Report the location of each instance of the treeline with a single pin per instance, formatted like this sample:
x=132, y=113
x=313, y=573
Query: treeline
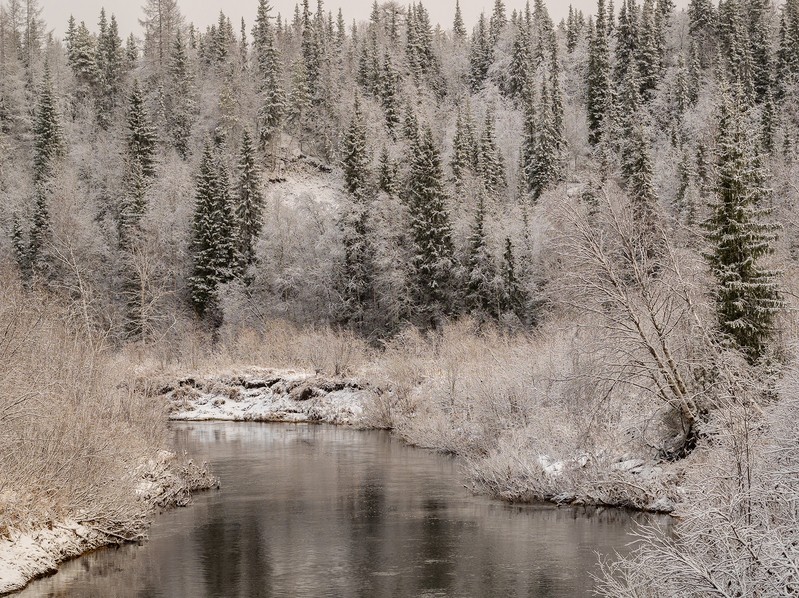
x=454, y=150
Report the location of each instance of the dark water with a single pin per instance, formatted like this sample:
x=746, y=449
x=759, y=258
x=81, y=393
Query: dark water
x=324, y=511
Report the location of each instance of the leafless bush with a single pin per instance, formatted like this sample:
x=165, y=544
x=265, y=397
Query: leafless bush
x=740, y=531
x=71, y=434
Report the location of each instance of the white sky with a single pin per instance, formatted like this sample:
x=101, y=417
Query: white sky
x=205, y=12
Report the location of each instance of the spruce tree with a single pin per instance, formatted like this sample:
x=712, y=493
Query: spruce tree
x=481, y=55
x=357, y=276
x=180, y=97
x=83, y=59
x=458, y=27
x=386, y=174
x=48, y=137
x=512, y=298
x=141, y=135
x=648, y=54
x=249, y=202
x=109, y=69
x=497, y=23
x=521, y=66
x=139, y=167
x=431, y=231
x=40, y=233
x=271, y=94
x=389, y=95
x=355, y=161
x=480, y=269
x=747, y=295
x=491, y=164
x=214, y=258
x=599, y=92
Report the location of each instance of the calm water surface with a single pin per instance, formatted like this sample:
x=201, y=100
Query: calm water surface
x=324, y=511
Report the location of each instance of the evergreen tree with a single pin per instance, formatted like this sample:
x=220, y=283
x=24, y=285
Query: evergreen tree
x=497, y=23
x=480, y=289
x=355, y=161
x=21, y=248
x=272, y=96
x=481, y=55
x=180, y=103
x=212, y=244
x=389, y=95
x=139, y=167
x=357, y=279
x=511, y=299
x=599, y=92
x=431, y=231
x=648, y=55
x=747, y=296
x=760, y=43
x=40, y=233
x=458, y=27
x=386, y=174
x=141, y=135
x=521, y=66
x=491, y=164
x=83, y=58
x=572, y=30
x=640, y=188
x=249, y=202
x=109, y=69
x=544, y=166
x=48, y=137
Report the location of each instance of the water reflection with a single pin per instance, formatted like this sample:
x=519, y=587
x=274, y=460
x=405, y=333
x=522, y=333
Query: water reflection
x=322, y=511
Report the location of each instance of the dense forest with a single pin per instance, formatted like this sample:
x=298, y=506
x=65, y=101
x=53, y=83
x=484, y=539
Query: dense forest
x=583, y=233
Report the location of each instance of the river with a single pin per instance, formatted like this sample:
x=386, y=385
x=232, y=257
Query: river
x=330, y=511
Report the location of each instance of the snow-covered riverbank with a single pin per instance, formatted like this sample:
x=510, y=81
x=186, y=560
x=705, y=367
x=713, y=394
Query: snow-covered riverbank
x=163, y=482
x=268, y=396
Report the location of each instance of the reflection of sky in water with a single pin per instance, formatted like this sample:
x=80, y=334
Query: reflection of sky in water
x=322, y=511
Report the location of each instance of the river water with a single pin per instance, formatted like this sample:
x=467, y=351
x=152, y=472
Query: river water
x=325, y=511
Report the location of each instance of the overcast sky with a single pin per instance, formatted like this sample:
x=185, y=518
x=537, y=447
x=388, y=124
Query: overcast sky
x=205, y=12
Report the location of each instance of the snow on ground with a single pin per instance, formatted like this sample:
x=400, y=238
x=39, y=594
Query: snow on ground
x=163, y=482
x=31, y=555
x=268, y=396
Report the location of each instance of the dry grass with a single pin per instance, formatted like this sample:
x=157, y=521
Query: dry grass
x=72, y=433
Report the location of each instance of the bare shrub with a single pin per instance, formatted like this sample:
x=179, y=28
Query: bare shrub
x=72, y=432
x=740, y=528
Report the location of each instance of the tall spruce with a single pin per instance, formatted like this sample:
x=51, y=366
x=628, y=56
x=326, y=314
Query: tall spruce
x=180, y=102
x=212, y=242
x=140, y=165
x=747, y=294
x=48, y=136
x=249, y=202
x=431, y=231
x=491, y=165
x=357, y=275
x=271, y=94
x=480, y=291
x=599, y=89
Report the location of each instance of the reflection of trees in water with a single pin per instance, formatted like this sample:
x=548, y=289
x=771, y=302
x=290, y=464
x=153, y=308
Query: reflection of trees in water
x=220, y=551
x=437, y=550
x=332, y=512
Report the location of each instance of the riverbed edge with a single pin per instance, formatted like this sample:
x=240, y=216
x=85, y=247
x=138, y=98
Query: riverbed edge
x=293, y=396
x=165, y=483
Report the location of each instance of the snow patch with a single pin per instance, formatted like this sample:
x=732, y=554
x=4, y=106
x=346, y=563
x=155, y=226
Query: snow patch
x=269, y=396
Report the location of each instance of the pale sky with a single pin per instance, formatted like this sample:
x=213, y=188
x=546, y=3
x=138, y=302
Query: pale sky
x=205, y=12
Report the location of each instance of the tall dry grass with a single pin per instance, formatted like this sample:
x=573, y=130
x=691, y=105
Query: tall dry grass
x=72, y=432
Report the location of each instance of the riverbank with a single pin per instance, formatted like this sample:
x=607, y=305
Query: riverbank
x=164, y=482
x=511, y=471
